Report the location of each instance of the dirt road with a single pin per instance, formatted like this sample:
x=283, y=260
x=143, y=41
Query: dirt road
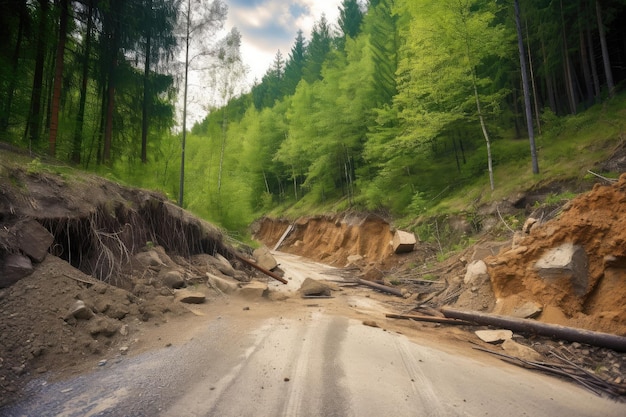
x=297, y=357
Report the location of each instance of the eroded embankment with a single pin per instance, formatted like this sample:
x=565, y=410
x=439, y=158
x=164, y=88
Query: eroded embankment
x=329, y=239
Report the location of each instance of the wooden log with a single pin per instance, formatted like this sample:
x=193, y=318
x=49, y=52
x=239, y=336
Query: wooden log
x=379, y=287
x=571, y=334
x=429, y=319
x=260, y=268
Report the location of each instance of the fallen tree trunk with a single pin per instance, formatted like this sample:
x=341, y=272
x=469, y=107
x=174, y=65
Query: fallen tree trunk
x=380, y=287
x=429, y=319
x=611, y=341
x=260, y=268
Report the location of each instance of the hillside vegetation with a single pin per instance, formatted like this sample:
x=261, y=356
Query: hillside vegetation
x=403, y=107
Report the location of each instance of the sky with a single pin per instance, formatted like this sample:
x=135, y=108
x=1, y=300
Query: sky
x=267, y=26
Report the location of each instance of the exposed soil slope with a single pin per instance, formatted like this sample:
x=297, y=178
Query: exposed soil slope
x=595, y=221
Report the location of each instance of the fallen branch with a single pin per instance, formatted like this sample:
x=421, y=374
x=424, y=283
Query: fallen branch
x=611, y=180
x=379, y=287
x=617, y=343
x=260, y=268
x=429, y=319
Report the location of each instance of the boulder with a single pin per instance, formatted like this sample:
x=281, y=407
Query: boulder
x=568, y=262
x=190, y=297
x=476, y=273
x=33, y=239
x=311, y=287
x=403, y=242
x=264, y=258
x=13, y=268
x=224, y=285
x=224, y=266
x=254, y=290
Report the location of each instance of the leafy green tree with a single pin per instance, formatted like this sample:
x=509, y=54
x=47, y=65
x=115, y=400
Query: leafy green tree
x=317, y=50
x=295, y=64
x=350, y=18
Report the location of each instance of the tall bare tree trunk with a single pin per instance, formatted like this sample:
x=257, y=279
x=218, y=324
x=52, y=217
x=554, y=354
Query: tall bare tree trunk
x=605, y=52
x=80, y=116
x=58, y=78
x=34, y=116
x=527, y=106
x=146, y=93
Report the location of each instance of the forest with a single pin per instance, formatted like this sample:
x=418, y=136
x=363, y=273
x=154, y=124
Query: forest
x=391, y=108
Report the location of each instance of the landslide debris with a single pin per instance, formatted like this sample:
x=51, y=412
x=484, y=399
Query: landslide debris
x=86, y=264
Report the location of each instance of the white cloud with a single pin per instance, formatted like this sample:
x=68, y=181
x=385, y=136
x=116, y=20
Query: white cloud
x=269, y=26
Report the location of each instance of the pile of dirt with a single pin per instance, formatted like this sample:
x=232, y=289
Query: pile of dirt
x=594, y=221
x=119, y=260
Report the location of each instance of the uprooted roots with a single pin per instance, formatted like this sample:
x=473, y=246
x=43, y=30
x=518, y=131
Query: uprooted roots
x=102, y=243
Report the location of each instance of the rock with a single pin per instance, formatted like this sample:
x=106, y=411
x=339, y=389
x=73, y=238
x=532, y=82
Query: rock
x=104, y=326
x=117, y=311
x=528, y=310
x=33, y=239
x=476, y=273
x=312, y=287
x=529, y=225
x=171, y=278
x=370, y=323
x=149, y=258
x=354, y=259
x=224, y=266
x=124, y=330
x=568, y=262
x=494, y=336
x=80, y=311
x=254, y=290
x=124, y=350
x=264, y=258
x=520, y=351
x=225, y=285
x=190, y=297
x=403, y=242
x=14, y=267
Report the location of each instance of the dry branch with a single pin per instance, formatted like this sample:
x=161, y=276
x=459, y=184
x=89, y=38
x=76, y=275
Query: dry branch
x=379, y=287
x=260, y=268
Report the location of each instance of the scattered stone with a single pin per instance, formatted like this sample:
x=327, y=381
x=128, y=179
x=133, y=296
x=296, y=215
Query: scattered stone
x=494, y=336
x=102, y=362
x=118, y=311
x=254, y=290
x=104, y=326
x=224, y=266
x=312, y=287
x=528, y=310
x=190, y=297
x=124, y=350
x=33, y=239
x=225, y=285
x=124, y=330
x=246, y=309
x=354, y=260
x=476, y=273
x=520, y=351
x=264, y=258
x=14, y=267
x=172, y=278
x=567, y=261
x=370, y=323
x=80, y=311
x=403, y=242
x=149, y=258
